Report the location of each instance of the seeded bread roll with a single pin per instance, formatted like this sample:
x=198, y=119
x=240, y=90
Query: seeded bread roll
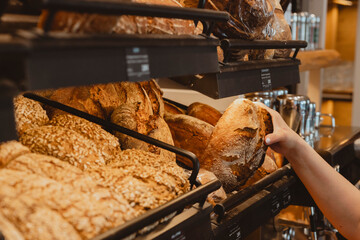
x=64, y=144
x=8, y=229
x=204, y=112
x=236, y=147
x=28, y=114
x=11, y=150
x=89, y=213
x=144, y=179
x=189, y=133
x=107, y=144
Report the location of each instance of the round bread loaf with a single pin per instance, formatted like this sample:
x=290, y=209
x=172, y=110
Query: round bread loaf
x=204, y=112
x=64, y=144
x=236, y=147
x=189, y=133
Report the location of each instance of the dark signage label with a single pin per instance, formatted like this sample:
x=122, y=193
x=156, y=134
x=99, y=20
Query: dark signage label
x=137, y=64
x=265, y=76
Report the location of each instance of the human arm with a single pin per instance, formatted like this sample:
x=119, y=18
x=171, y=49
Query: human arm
x=337, y=198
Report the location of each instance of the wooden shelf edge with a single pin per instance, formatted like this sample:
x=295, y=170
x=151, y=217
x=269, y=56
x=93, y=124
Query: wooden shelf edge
x=314, y=60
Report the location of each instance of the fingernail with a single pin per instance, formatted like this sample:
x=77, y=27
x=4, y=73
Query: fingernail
x=267, y=140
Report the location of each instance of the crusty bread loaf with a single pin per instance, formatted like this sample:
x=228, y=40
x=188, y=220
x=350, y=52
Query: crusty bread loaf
x=76, y=97
x=204, y=177
x=155, y=95
x=133, y=117
x=172, y=109
x=236, y=147
x=204, y=112
x=89, y=213
x=28, y=114
x=266, y=168
x=64, y=144
x=189, y=133
x=95, y=23
x=106, y=143
x=11, y=150
x=8, y=229
x=34, y=220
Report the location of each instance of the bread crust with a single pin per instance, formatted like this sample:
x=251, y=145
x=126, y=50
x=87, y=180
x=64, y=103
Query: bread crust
x=236, y=147
x=189, y=133
x=204, y=112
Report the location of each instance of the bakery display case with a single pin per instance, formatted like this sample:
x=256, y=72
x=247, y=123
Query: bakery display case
x=34, y=59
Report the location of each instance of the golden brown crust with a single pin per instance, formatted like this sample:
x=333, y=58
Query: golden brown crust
x=106, y=143
x=236, y=147
x=266, y=168
x=89, y=213
x=11, y=150
x=8, y=230
x=172, y=109
x=76, y=97
x=204, y=112
x=155, y=95
x=28, y=114
x=189, y=133
x=64, y=144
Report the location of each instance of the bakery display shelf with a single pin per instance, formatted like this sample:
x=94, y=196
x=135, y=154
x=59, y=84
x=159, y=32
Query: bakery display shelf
x=256, y=210
x=197, y=195
x=235, y=78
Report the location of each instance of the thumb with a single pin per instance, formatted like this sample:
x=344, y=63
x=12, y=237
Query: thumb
x=272, y=138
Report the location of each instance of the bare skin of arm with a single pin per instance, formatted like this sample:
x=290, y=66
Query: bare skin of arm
x=337, y=198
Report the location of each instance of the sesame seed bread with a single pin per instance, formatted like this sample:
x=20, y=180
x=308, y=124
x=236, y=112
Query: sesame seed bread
x=236, y=147
x=28, y=114
x=64, y=144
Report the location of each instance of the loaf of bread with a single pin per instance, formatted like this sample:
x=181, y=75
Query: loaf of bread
x=89, y=213
x=143, y=178
x=11, y=150
x=64, y=144
x=247, y=18
x=280, y=29
x=204, y=112
x=131, y=116
x=8, y=229
x=266, y=168
x=236, y=147
x=95, y=23
x=76, y=97
x=219, y=195
x=107, y=144
x=32, y=219
x=28, y=114
x=172, y=109
x=155, y=95
x=189, y=133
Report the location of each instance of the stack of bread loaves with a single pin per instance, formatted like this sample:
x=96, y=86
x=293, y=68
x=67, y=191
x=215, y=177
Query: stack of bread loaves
x=70, y=179
x=231, y=145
